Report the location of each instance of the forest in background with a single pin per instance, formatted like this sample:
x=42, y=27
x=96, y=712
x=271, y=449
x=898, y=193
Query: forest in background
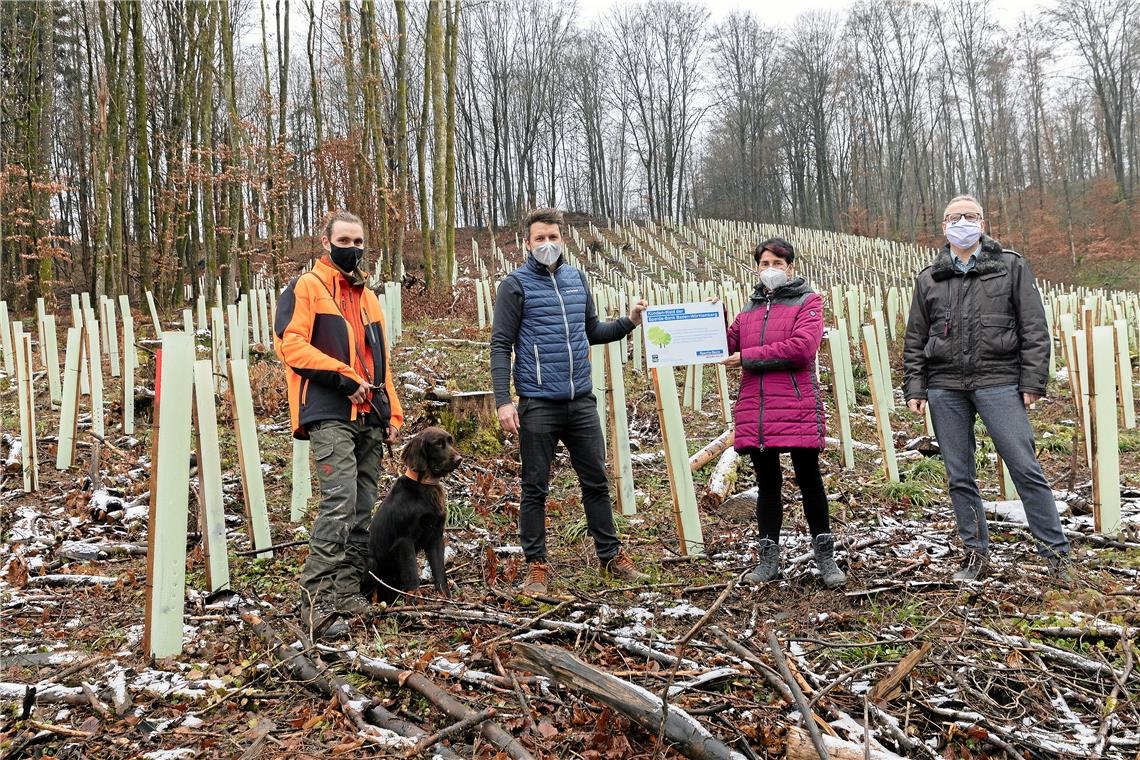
x=146, y=142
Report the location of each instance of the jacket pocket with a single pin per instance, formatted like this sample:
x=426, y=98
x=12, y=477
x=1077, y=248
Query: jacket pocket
x=304, y=391
x=795, y=385
x=999, y=335
x=537, y=365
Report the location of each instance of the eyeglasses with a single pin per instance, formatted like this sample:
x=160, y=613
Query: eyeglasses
x=969, y=217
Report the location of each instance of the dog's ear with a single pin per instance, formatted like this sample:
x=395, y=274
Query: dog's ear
x=414, y=456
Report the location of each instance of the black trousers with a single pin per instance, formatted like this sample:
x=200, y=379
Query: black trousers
x=542, y=424
x=769, y=500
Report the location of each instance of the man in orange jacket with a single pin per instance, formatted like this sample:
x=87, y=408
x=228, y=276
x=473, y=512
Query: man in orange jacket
x=330, y=337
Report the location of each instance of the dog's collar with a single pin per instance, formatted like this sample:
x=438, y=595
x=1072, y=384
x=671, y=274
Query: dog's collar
x=411, y=474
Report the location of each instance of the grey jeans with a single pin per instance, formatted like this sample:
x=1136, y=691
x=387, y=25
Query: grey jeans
x=1003, y=413
x=347, y=457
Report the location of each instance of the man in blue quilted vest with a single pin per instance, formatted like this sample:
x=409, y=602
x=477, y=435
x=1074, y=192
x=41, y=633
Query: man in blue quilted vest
x=545, y=315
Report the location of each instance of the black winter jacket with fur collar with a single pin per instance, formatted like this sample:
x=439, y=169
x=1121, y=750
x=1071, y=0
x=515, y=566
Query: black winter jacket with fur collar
x=979, y=329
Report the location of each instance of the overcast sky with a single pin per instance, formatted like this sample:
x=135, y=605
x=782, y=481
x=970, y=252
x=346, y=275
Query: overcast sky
x=781, y=13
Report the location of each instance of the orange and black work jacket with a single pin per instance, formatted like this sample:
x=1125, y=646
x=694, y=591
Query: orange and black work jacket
x=329, y=334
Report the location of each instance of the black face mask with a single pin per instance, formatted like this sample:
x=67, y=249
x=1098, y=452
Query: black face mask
x=347, y=259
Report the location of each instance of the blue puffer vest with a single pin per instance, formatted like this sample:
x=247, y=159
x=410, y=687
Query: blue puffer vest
x=552, y=353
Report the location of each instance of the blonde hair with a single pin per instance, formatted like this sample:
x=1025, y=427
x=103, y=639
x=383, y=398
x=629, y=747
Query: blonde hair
x=340, y=215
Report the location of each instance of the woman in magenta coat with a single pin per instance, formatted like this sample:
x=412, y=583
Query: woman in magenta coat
x=774, y=340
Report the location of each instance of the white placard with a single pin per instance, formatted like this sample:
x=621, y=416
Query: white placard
x=685, y=333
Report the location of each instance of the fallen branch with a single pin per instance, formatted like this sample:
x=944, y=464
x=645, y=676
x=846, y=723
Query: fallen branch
x=1071, y=659
x=52, y=694
x=754, y=662
x=453, y=730
x=56, y=581
x=384, y=671
x=712, y=450
x=888, y=688
x=799, y=746
x=801, y=701
x=635, y=702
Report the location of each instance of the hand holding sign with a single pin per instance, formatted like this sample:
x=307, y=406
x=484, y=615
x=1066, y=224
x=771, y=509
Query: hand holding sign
x=686, y=333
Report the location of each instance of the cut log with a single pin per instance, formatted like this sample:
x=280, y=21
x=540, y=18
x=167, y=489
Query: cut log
x=479, y=405
x=721, y=481
x=638, y=704
x=712, y=450
x=799, y=747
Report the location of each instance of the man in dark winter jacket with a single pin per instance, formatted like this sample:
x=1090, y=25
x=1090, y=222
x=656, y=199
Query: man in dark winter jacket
x=977, y=344
x=545, y=315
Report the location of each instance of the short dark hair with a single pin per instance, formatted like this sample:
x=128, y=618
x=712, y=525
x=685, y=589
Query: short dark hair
x=543, y=215
x=779, y=247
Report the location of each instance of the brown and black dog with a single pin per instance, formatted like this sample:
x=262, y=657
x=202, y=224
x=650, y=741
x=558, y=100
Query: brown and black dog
x=411, y=519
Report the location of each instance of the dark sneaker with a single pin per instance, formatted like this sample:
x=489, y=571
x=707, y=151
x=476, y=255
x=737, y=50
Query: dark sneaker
x=769, y=565
x=824, y=546
x=536, y=575
x=975, y=566
x=621, y=567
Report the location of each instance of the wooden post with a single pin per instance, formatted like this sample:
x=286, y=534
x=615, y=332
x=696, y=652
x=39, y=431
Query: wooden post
x=211, y=515
x=1102, y=430
x=130, y=363
x=689, y=533
x=30, y=461
x=620, y=462
x=169, y=497
x=302, y=481
x=69, y=405
x=835, y=345
x=882, y=412
x=249, y=457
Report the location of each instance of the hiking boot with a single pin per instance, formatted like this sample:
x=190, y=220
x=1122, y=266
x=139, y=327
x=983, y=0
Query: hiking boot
x=323, y=622
x=621, y=567
x=1061, y=568
x=353, y=605
x=535, y=584
x=824, y=546
x=769, y=566
x=975, y=566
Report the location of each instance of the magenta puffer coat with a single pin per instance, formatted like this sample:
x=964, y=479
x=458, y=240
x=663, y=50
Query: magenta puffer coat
x=778, y=335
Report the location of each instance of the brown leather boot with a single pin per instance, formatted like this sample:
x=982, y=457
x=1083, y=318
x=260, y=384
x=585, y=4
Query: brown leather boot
x=536, y=575
x=620, y=566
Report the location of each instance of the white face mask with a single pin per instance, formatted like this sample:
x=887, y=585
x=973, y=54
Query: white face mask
x=963, y=234
x=773, y=278
x=547, y=253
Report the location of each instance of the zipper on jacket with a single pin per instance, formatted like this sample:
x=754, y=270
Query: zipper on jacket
x=566, y=323
x=795, y=385
x=537, y=364
x=304, y=391
x=760, y=380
